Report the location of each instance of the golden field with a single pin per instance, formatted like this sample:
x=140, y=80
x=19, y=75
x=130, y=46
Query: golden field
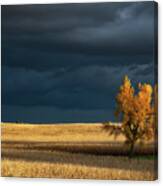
x=72, y=151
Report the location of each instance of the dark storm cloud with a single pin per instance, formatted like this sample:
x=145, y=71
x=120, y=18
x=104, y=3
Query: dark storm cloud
x=37, y=114
x=82, y=88
x=73, y=57
x=88, y=29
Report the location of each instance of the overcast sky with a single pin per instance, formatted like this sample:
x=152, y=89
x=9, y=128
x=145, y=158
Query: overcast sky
x=65, y=62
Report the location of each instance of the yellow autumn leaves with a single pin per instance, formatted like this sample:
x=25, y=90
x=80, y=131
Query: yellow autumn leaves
x=137, y=111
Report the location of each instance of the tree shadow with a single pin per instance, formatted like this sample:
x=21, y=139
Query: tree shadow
x=90, y=154
x=88, y=147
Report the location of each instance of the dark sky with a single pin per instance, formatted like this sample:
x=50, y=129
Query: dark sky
x=65, y=62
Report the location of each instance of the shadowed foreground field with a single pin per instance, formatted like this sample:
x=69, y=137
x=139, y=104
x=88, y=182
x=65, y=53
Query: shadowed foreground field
x=72, y=151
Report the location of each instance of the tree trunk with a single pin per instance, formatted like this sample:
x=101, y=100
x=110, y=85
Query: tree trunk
x=131, y=152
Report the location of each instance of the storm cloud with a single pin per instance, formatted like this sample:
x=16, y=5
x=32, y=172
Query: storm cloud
x=68, y=60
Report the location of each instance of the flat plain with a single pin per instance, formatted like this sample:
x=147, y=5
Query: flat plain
x=73, y=151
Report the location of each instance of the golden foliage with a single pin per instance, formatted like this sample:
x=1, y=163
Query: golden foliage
x=156, y=110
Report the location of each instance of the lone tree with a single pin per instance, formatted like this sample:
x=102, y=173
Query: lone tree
x=136, y=112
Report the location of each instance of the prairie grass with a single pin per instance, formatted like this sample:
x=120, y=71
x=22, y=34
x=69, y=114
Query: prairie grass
x=66, y=165
x=71, y=151
x=57, y=132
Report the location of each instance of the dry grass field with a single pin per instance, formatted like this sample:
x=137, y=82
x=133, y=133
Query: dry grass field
x=72, y=151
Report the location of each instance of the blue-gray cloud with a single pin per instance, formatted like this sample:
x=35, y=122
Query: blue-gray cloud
x=72, y=57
